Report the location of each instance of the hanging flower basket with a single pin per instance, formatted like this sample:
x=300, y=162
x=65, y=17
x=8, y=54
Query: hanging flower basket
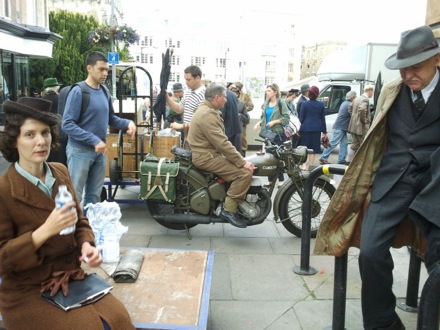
x=123, y=34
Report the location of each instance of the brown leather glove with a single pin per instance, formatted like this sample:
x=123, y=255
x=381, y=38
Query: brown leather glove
x=61, y=279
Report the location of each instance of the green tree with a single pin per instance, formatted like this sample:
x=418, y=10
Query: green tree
x=69, y=54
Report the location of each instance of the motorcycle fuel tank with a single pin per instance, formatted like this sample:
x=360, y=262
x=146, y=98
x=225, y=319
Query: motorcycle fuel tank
x=266, y=163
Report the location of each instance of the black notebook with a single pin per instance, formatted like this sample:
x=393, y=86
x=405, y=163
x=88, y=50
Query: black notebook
x=81, y=293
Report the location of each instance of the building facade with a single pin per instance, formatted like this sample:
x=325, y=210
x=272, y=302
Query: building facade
x=313, y=55
x=24, y=33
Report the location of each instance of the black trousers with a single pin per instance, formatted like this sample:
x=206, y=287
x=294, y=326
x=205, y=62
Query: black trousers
x=379, y=228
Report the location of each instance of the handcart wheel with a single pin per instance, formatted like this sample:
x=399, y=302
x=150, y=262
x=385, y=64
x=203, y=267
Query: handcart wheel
x=115, y=172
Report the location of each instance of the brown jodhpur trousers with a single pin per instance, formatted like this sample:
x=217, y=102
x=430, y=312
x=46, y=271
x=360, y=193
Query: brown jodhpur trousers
x=239, y=178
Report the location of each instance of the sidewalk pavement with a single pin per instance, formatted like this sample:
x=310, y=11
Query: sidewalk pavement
x=253, y=284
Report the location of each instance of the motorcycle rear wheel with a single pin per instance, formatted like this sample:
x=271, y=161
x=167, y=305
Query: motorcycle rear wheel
x=291, y=205
x=180, y=204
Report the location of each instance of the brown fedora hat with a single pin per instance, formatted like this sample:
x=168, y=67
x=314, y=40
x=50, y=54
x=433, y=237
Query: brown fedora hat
x=415, y=46
x=32, y=107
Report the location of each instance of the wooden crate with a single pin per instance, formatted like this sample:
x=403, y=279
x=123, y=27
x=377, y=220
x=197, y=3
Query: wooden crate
x=129, y=161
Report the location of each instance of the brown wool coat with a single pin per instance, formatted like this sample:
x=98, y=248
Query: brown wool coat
x=340, y=227
x=23, y=208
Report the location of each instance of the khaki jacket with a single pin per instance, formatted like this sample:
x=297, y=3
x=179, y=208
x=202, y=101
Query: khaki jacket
x=360, y=115
x=207, y=134
x=340, y=227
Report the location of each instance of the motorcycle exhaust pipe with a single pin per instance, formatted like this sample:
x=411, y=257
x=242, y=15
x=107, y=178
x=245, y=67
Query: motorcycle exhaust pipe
x=193, y=219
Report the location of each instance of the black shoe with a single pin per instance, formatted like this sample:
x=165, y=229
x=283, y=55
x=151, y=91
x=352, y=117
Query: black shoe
x=396, y=325
x=233, y=219
x=343, y=162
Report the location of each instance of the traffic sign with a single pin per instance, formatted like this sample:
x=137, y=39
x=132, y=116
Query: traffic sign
x=113, y=58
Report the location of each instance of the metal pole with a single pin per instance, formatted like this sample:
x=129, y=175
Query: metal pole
x=112, y=22
x=410, y=304
x=304, y=268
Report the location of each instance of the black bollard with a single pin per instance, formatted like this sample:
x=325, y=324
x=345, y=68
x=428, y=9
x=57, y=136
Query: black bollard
x=410, y=304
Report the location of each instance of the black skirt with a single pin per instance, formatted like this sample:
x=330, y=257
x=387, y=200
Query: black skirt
x=311, y=140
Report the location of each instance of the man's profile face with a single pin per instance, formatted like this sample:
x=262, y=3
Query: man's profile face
x=219, y=101
x=192, y=82
x=418, y=76
x=99, y=71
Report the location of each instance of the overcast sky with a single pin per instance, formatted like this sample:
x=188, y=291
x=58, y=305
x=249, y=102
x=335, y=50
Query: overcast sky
x=355, y=21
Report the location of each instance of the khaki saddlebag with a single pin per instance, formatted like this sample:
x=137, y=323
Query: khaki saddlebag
x=158, y=179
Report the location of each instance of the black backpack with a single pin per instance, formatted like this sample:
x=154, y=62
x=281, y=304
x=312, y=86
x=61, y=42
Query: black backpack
x=85, y=97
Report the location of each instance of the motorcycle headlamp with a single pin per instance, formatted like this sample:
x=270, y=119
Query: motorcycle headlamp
x=300, y=154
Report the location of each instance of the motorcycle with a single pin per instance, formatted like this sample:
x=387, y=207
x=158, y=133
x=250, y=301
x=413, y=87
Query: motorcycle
x=200, y=195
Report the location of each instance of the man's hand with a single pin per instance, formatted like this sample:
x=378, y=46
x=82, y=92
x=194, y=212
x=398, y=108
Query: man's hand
x=176, y=126
x=249, y=166
x=131, y=130
x=101, y=148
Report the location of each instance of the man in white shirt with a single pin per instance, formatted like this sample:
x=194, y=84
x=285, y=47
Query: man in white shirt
x=192, y=97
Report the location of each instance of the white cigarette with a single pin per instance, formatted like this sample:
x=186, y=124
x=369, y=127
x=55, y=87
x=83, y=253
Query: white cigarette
x=86, y=260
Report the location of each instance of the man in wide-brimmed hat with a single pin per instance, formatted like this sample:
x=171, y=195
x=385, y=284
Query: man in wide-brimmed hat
x=389, y=194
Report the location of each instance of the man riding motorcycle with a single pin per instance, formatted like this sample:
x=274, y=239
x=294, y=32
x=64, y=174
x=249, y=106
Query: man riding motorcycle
x=212, y=152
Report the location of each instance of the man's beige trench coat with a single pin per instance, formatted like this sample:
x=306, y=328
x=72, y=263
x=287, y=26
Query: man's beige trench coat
x=341, y=225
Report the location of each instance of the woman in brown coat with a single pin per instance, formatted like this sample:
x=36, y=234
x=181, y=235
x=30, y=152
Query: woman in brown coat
x=31, y=249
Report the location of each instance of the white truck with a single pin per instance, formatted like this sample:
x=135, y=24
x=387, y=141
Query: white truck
x=352, y=69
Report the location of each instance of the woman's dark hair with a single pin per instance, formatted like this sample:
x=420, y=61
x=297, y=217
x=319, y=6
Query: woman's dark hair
x=8, y=137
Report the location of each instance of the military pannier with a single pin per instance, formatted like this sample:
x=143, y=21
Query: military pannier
x=158, y=179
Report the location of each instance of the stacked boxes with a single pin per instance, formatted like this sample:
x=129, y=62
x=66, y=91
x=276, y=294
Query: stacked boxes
x=128, y=162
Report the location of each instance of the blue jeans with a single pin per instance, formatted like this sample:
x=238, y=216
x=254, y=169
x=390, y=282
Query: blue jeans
x=338, y=137
x=87, y=169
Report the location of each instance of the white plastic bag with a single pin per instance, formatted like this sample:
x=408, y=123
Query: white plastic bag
x=168, y=132
x=105, y=218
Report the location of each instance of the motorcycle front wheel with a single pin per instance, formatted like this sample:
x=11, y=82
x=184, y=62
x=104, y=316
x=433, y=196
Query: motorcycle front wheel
x=290, y=208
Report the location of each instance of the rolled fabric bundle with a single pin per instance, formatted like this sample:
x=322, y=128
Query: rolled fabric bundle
x=128, y=268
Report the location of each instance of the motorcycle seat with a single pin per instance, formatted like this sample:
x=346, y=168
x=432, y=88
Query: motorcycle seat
x=181, y=152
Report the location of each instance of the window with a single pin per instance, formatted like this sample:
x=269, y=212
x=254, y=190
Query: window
x=146, y=58
x=332, y=97
x=270, y=66
x=174, y=77
x=175, y=60
x=268, y=80
x=147, y=41
x=220, y=62
x=197, y=60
